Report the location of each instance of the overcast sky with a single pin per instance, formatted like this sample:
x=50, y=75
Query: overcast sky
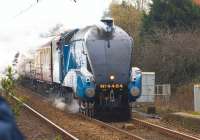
x=22, y=21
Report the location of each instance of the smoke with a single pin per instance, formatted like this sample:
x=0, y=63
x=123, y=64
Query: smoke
x=60, y=103
x=73, y=107
x=32, y=28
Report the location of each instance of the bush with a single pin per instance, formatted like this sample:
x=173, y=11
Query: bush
x=8, y=83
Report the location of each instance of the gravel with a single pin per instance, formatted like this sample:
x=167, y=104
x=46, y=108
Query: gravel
x=33, y=128
x=145, y=133
x=84, y=129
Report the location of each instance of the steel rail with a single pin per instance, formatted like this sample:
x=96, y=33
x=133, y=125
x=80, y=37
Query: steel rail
x=134, y=137
x=101, y=123
x=58, y=128
x=164, y=130
x=161, y=129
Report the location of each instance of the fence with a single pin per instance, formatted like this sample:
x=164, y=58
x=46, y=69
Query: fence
x=162, y=94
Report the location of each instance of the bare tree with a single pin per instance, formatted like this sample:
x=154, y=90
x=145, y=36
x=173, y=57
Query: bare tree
x=142, y=5
x=174, y=56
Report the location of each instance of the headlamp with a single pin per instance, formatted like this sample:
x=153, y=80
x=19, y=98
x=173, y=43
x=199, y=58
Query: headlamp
x=135, y=91
x=90, y=92
x=112, y=77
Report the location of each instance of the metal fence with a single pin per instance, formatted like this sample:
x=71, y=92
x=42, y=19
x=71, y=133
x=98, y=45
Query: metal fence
x=156, y=94
x=162, y=94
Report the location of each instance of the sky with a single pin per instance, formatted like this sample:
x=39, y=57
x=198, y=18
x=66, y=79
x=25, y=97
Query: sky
x=23, y=21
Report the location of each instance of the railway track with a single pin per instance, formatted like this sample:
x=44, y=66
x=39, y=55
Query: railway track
x=134, y=137
x=69, y=136
x=149, y=131
x=159, y=133
x=141, y=123
x=121, y=134
x=163, y=130
x=64, y=133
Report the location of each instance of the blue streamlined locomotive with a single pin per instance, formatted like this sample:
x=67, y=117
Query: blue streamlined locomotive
x=93, y=64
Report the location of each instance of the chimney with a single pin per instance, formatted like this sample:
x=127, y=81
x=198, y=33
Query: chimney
x=109, y=24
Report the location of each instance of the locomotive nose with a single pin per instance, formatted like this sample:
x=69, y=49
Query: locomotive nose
x=110, y=60
x=109, y=54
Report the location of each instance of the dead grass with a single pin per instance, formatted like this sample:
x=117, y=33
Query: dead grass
x=194, y=113
x=186, y=121
x=181, y=100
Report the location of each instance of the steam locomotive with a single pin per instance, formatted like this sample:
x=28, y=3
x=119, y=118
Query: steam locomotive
x=92, y=64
